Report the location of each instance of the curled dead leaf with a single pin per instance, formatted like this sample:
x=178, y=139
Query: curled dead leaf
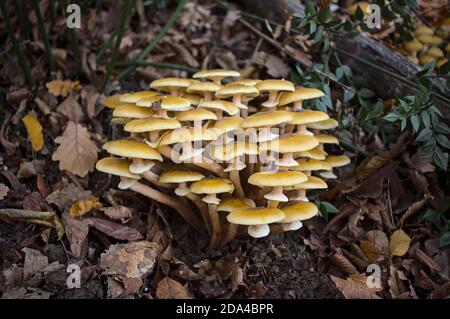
x=84, y=206
x=116, y=230
x=171, y=289
x=34, y=131
x=62, y=88
x=355, y=287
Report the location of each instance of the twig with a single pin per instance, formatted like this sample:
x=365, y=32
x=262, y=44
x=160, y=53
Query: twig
x=43, y=32
x=25, y=28
x=20, y=56
x=158, y=65
x=123, y=21
x=155, y=42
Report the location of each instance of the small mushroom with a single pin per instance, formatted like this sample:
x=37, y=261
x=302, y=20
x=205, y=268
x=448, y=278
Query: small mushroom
x=151, y=126
x=335, y=161
x=312, y=183
x=264, y=121
x=297, y=212
x=204, y=88
x=237, y=92
x=273, y=87
x=257, y=219
x=229, y=205
x=216, y=75
x=307, y=166
x=219, y=107
x=136, y=96
x=132, y=111
x=300, y=119
x=175, y=86
x=298, y=96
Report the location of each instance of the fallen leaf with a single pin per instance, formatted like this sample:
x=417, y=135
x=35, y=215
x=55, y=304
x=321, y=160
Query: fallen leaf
x=34, y=131
x=71, y=109
x=62, y=88
x=84, y=206
x=32, y=201
x=30, y=169
x=77, y=234
x=33, y=262
x=67, y=196
x=355, y=287
x=116, y=230
x=171, y=289
x=276, y=67
x=3, y=190
x=369, y=249
x=76, y=152
x=132, y=260
x=399, y=243
x=379, y=239
x=117, y=212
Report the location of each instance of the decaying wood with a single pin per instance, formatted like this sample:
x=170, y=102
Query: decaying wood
x=356, y=52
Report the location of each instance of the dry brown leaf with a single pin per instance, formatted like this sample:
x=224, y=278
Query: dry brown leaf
x=117, y=212
x=369, y=249
x=355, y=287
x=399, y=243
x=276, y=67
x=71, y=109
x=171, y=289
x=116, y=230
x=30, y=169
x=62, y=88
x=77, y=234
x=3, y=190
x=372, y=164
x=66, y=196
x=34, y=131
x=427, y=260
x=84, y=206
x=76, y=152
x=343, y=263
x=380, y=240
x=132, y=260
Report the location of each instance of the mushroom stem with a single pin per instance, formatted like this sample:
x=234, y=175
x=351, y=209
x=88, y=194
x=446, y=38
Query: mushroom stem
x=292, y=226
x=301, y=195
x=234, y=177
x=185, y=211
x=154, y=179
x=258, y=231
x=203, y=208
x=207, y=96
x=182, y=189
x=272, y=204
x=287, y=160
x=237, y=101
x=153, y=136
x=271, y=100
x=231, y=232
x=215, y=225
x=277, y=195
x=298, y=106
x=301, y=129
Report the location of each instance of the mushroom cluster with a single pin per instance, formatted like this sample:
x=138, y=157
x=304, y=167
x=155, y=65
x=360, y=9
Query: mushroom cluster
x=428, y=45
x=229, y=157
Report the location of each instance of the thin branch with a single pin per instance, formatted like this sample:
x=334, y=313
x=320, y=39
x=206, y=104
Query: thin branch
x=121, y=29
x=107, y=44
x=43, y=32
x=155, y=42
x=20, y=56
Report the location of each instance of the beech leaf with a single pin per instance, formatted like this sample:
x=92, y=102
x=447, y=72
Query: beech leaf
x=34, y=131
x=399, y=243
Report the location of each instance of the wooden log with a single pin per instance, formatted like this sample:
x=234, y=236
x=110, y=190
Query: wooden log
x=367, y=57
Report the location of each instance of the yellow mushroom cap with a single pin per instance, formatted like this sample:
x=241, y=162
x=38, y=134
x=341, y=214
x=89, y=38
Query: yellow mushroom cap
x=151, y=124
x=290, y=144
x=249, y=82
x=424, y=59
x=234, y=89
x=323, y=125
x=180, y=176
x=212, y=186
x=112, y=101
x=183, y=134
x=225, y=106
x=227, y=124
x=364, y=6
x=195, y=99
x=275, y=179
x=216, y=74
x=226, y=152
x=115, y=166
x=413, y=59
x=199, y=114
x=255, y=216
x=120, y=120
x=315, y=153
x=132, y=149
x=312, y=165
x=132, y=111
x=174, y=103
x=168, y=84
x=441, y=62
x=313, y=182
x=263, y=119
x=232, y=204
x=198, y=87
x=429, y=39
x=149, y=101
x=435, y=52
x=308, y=116
x=136, y=96
x=299, y=94
x=299, y=211
x=338, y=160
x=326, y=139
x=413, y=45
x=423, y=30
x=275, y=85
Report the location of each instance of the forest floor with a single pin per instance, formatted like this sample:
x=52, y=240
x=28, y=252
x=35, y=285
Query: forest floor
x=328, y=258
